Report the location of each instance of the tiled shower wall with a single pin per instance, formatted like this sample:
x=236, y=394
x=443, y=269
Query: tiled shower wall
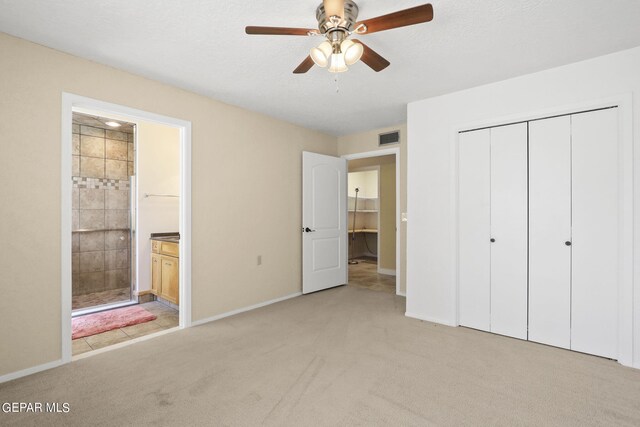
x=102, y=163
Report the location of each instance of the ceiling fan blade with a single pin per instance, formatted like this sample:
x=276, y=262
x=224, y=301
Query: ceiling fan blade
x=412, y=16
x=372, y=58
x=279, y=31
x=334, y=8
x=304, y=66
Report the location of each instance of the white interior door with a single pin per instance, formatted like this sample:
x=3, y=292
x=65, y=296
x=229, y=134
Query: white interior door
x=324, y=222
x=474, y=256
x=594, y=302
x=509, y=230
x=550, y=231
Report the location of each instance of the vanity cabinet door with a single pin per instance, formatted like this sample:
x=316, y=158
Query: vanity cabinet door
x=170, y=279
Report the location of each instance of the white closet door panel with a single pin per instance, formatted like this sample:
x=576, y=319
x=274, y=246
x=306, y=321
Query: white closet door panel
x=594, y=302
x=509, y=229
x=549, y=230
x=474, y=229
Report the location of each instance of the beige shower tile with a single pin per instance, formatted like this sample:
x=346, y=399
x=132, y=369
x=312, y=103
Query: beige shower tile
x=75, y=219
x=116, y=240
x=90, y=282
x=92, y=198
x=75, y=128
x=117, y=218
x=114, y=279
x=131, y=170
x=93, y=241
x=92, y=219
x=116, y=150
x=130, y=137
x=92, y=146
x=75, y=263
x=117, y=199
x=91, y=262
x=90, y=130
x=75, y=166
x=115, y=134
x=116, y=169
x=75, y=147
x=75, y=198
x=130, y=152
x=116, y=259
x=91, y=167
x=75, y=242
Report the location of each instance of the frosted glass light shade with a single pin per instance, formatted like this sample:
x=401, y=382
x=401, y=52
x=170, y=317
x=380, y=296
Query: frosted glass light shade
x=352, y=51
x=322, y=54
x=337, y=63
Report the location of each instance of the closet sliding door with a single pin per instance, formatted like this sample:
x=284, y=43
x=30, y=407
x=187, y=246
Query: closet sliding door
x=509, y=230
x=594, y=290
x=550, y=231
x=474, y=229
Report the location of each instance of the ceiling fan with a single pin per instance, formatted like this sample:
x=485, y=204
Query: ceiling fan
x=337, y=21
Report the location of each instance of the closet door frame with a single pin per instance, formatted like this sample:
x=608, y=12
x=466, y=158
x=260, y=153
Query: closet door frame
x=628, y=321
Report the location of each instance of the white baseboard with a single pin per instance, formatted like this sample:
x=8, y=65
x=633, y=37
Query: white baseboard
x=401, y=294
x=30, y=371
x=429, y=319
x=244, y=309
x=386, y=271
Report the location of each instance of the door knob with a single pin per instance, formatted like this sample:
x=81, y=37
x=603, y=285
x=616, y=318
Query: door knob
x=308, y=230
x=568, y=243
x=493, y=240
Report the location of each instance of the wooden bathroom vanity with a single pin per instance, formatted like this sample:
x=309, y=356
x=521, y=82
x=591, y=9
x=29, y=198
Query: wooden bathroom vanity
x=165, y=276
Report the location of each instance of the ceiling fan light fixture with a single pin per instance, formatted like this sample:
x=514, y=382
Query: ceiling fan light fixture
x=338, y=64
x=352, y=51
x=322, y=54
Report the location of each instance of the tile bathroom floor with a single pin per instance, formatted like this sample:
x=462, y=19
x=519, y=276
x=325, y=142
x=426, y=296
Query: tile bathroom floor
x=101, y=298
x=365, y=275
x=167, y=318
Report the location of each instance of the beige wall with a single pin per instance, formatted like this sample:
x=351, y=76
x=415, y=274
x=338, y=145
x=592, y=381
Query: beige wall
x=387, y=234
x=158, y=161
x=368, y=141
x=243, y=162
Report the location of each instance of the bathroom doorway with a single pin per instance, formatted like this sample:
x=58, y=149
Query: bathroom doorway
x=373, y=218
x=126, y=225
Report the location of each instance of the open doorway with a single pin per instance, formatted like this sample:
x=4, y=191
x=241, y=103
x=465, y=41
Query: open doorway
x=126, y=228
x=373, y=210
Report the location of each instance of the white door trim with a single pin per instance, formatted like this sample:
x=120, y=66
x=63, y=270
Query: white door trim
x=69, y=102
x=628, y=349
x=378, y=153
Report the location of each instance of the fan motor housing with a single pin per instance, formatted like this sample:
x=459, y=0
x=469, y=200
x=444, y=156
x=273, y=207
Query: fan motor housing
x=326, y=24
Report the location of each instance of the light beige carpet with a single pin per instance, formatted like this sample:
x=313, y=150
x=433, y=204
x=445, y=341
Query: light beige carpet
x=346, y=356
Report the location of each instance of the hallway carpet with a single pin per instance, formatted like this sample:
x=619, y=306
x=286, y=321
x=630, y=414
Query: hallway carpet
x=346, y=356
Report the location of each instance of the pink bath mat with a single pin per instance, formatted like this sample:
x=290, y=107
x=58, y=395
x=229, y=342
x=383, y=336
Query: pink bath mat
x=96, y=323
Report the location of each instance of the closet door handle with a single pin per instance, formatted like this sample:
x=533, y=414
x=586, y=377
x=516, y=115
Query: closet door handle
x=492, y=240
x=568, y=243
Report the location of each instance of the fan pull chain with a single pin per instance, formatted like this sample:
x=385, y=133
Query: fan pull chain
x=337, y=87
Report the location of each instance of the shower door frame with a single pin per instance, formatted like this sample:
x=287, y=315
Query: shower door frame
x=132, y=242
x=69, y=103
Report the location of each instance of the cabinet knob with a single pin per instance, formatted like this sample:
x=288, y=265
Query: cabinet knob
x=568, y=243
x=493, y=240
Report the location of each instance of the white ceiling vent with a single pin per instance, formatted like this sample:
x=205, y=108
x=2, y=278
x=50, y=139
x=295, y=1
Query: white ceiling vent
x=389, y=138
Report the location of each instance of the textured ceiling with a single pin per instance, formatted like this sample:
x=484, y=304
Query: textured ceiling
x=201, y=46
